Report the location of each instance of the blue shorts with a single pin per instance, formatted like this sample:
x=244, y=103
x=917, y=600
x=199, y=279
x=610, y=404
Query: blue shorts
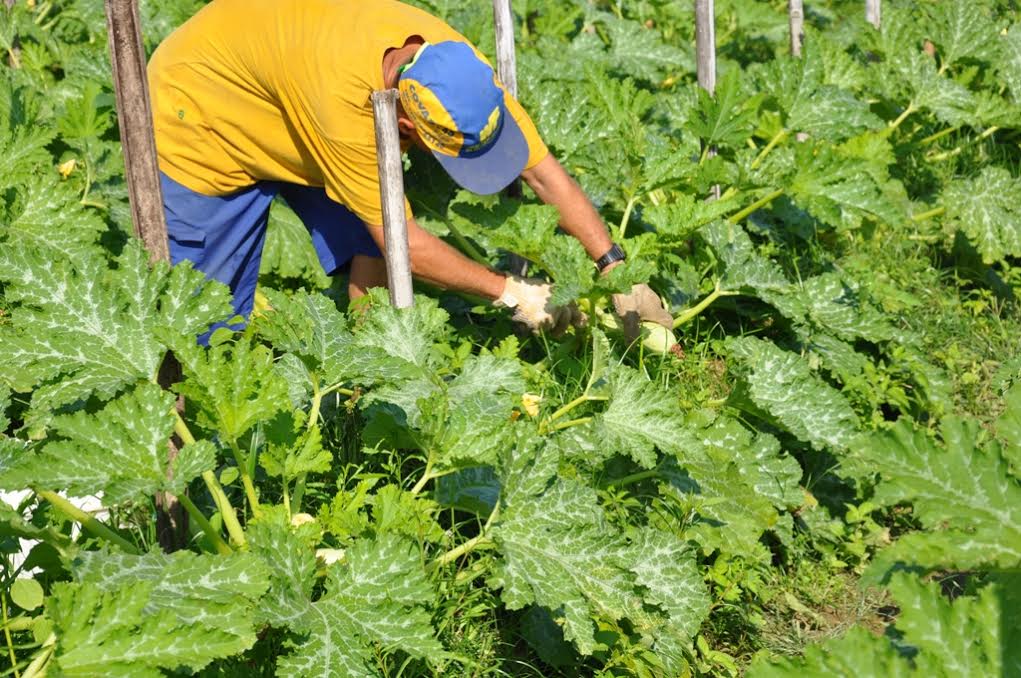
x=223, y=235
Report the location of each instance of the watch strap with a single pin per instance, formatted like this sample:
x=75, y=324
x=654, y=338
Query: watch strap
x=615, y=253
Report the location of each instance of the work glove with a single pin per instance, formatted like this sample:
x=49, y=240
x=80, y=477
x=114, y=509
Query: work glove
x=640, y=305
x=530, y=299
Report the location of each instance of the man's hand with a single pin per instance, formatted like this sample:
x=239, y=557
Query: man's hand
x=529, y=297
x=640, y=305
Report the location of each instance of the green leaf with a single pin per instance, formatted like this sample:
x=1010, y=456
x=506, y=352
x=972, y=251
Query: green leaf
x=744, y=269
x=120, y=450
x=406, y=334
x=375, y=600
x=1008, y=427
x=640, y=418
x=640, y=52
x=962, y=32
x=679, y=220
x=986, y=208
x=232, y=386
x=1009, y=65
x=397, y=511
x=957, y=487
x=473, y=489
x=117, y=618
x=835, y=305
x=82, y=329
x=293, y=448
x=782, y=384
x=288, y=253
x=26, y=593
x=809, y=105
x=725, y=119
x=858, y=653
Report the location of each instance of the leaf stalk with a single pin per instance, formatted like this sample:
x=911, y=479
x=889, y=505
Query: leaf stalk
x=87, y=521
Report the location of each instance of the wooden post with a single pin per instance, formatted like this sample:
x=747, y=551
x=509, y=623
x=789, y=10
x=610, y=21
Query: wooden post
x=796, y=8
x=705, y=53
x=507, y=72
x=873, y=12
x=391, y=191
x=134, y=115
x=506, y=60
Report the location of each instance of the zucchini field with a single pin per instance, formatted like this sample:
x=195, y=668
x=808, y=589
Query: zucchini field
x=818, y=475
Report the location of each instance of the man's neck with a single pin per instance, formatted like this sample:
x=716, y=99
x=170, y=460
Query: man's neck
x=395, y=58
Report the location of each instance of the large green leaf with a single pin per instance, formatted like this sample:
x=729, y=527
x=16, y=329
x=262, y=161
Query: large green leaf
x=957, y=487
x=134, y=615
x=962, y=31
x=83, y=329
x=121, y=450
x=782, y=384
x=986, y=209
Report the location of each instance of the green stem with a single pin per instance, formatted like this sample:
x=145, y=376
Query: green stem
x=569, y=424
x=777, y=138
x=223, y=505
x=938, y=135
x=761, y=202
x=899, y=120
x=633, y=478
x=580, y=400
x=313, y=420
x=465, y=244
x=627, y=216
x=928, y=215
x=426, y=476
x=88, y=522
x=7, y=636
x=37, y=669
x=957, y=151
x=693, y=312
x=246, y=478
x=195, y=514
x=473, y=543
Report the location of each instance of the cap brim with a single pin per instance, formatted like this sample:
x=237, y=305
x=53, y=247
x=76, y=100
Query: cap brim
x=495, y=169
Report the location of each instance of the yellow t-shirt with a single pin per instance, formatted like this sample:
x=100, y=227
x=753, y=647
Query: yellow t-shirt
x=251, y=90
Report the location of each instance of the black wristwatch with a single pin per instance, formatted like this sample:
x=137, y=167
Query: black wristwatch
x=615, y=254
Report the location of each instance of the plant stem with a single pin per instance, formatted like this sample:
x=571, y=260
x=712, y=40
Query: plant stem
x=938, y=135
x=627, y=216
x=7, y=636
x=957, y=151
x=693, y=312
x=223, y=505
x=777, y=138
x=900, y=119
x=230, y=518
x=761, y=202
x=928, y=215
x=568, y=424
x=473, y=543
x=193, y=511
x=94, y=526
x=426, y=476
x=466, y=244
x=633, y=478
x=313, y=420
x=246, y=478
x=37, y=669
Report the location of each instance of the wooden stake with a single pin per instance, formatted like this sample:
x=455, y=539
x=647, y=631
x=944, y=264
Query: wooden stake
x=705, y=53
x=507, y=72
x=506, y=60
x=796, y=9
x=873, y=12
x=134, y=115
x=141, y=170
x=391, y=191
x=705, y=44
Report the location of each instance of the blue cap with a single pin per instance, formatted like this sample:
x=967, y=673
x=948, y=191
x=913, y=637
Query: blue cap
x=458, y=109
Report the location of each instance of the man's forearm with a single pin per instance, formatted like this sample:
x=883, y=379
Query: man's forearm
x=578, y=216
x=438, y=263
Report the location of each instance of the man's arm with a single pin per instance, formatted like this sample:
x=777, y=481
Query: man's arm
x=438, y=263
x=578, y=216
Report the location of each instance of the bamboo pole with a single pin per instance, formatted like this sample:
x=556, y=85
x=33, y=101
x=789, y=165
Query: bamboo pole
x=141, y=171
x=507, y=72
x=705, y=53
x=873, y=12
x=796, y=9
x=391, y=191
